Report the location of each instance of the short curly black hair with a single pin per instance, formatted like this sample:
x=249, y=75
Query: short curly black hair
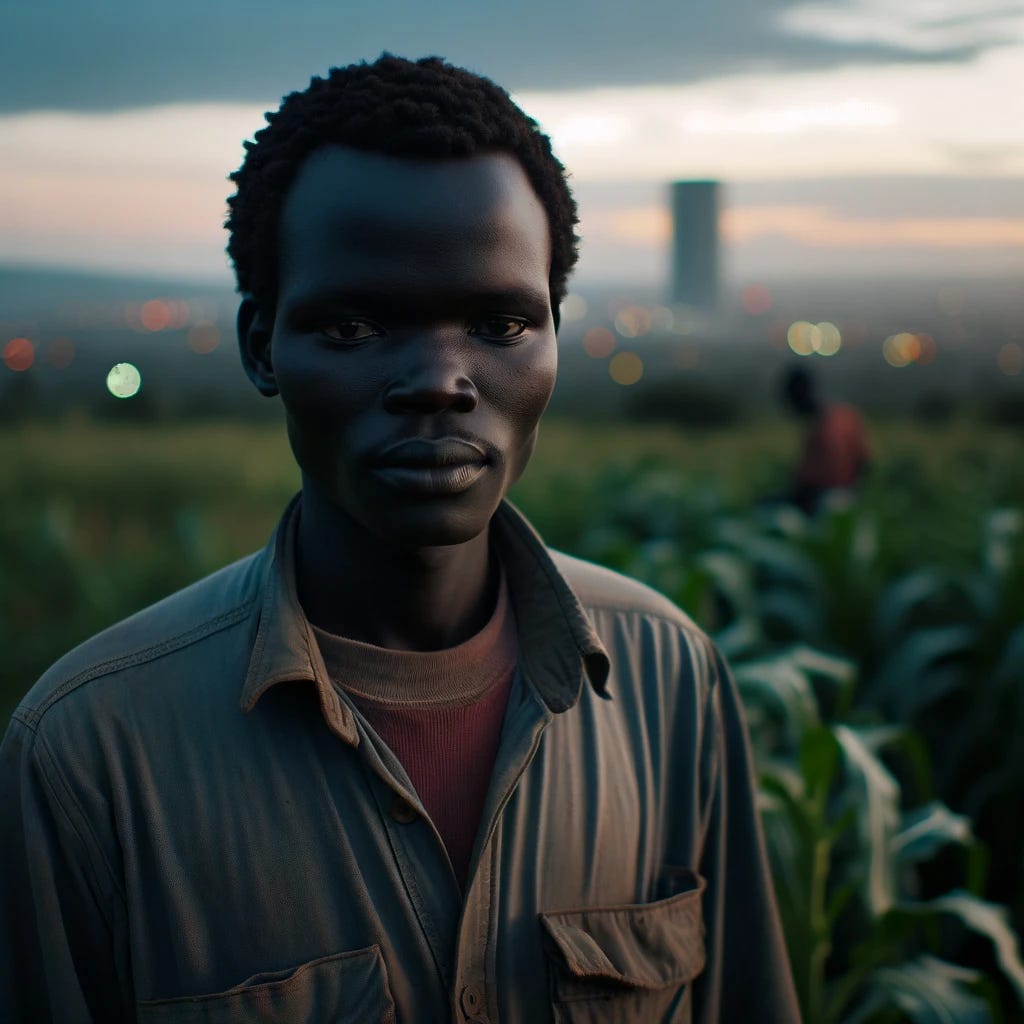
x=423, y=108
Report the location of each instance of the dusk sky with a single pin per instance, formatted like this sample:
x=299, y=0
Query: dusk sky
x=847, y=132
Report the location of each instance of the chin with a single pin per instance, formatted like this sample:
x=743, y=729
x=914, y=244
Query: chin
x=427, y=527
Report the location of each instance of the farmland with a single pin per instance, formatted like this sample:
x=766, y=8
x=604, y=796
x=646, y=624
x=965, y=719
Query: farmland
x=879, y=648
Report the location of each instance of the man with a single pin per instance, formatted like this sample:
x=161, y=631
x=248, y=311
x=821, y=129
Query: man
x=835, y=451
x=405, y=764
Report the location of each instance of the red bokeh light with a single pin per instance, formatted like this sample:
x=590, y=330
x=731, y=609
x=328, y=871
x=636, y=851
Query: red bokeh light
x=19, y=354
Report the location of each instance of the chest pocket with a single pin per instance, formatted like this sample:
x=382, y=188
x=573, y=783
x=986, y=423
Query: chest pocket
x=630, y=963
x=346, y=988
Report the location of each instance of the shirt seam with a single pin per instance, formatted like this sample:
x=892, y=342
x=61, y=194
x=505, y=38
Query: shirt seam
x=690, y=630
x=51, y=774
x=32, y=716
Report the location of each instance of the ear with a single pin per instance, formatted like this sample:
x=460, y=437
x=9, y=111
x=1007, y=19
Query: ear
x=254, y=336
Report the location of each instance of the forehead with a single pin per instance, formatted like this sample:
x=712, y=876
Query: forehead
x=355, y=214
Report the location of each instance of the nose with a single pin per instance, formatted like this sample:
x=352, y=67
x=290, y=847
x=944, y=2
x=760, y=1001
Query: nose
x=431, y=381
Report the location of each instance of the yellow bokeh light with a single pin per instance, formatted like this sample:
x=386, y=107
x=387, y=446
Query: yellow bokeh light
x=599, y=343
x=573, y=308
x=203, y=338
x=804, y=338
x=829, y=339
x=633, y=321
x=626, y=368
x=124, y=380
x=901, y=349
x=1011, y=359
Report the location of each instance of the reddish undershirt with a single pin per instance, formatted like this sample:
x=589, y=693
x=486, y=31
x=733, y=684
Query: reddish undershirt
x=441, y=714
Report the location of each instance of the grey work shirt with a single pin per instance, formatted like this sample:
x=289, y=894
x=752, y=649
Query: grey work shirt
x=198, y=826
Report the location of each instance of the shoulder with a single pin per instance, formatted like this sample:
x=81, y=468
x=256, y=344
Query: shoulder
x=599, y=588
x=152, y=636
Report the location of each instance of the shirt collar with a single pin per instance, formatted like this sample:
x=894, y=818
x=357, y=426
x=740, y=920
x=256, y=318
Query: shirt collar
x=557, y=641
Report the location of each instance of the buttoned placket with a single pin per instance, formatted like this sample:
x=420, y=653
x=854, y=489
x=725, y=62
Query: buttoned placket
x=474, y=991
x=426, y=871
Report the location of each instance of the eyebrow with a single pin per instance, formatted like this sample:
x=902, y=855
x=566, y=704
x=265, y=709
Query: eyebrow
x=405, y=299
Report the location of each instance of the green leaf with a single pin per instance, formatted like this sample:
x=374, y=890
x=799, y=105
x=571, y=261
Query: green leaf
x=903, y=599
x=740, y=638
x=928, y=991
x=925, y=830
x=927, y=665
x=984, y=918
x=872, y=789
x=732, y=577
x=1002, y=527
x=778, y=685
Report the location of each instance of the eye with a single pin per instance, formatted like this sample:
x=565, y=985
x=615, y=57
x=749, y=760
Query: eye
x=349, y=332
x=499, y=328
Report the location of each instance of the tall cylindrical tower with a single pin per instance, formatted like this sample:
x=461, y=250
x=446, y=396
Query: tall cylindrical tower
x=695, y=255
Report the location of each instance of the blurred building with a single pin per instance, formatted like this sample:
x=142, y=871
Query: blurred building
x=695, y=245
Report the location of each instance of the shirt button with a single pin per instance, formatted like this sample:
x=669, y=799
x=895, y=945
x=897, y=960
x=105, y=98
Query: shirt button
x=403, y=811
x=472, y=1001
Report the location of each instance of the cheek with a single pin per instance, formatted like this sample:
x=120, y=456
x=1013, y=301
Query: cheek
x=533, y=382
x=532, y=385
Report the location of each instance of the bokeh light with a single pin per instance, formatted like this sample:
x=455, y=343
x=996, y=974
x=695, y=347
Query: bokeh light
x=803, y=337
x=806, y=339
x=1011, y=359
x=60, y=353
x=203, y=338
x=626, y=368
x=756, y=299
x=927, y=343
x=124, y=380
x=829, y=339
x=633, y=321
x=685, y=319
x=155, y=315
x=901, y=349
x=662, y=319
x=19, y=354
x=599, y=343
x=574, y=307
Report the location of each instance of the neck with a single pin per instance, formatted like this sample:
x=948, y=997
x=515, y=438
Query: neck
x=358, y=585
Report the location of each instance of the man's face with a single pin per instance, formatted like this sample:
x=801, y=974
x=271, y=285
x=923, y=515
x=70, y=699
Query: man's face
x=413, y=343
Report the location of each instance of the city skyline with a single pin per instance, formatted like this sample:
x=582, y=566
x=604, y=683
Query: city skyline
x=845, y=133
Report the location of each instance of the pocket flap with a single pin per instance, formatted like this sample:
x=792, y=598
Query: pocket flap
x=345, y=988
x=642, y=945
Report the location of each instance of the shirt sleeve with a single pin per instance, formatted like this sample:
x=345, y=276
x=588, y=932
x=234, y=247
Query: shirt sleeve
x=747, y=977
x=57, y=960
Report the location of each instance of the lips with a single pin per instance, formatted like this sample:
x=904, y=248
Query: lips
x=425, y=466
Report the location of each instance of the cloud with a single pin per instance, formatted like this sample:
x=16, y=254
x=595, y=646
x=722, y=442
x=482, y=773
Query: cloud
x=64, y=54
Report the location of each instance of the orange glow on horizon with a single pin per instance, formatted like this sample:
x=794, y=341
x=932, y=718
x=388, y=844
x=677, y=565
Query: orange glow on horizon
x=822, y=227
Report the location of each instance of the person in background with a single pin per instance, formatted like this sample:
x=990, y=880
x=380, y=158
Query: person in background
x=406, y=764
x=835, y=452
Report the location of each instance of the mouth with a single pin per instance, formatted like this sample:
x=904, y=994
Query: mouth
x=447, y=465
